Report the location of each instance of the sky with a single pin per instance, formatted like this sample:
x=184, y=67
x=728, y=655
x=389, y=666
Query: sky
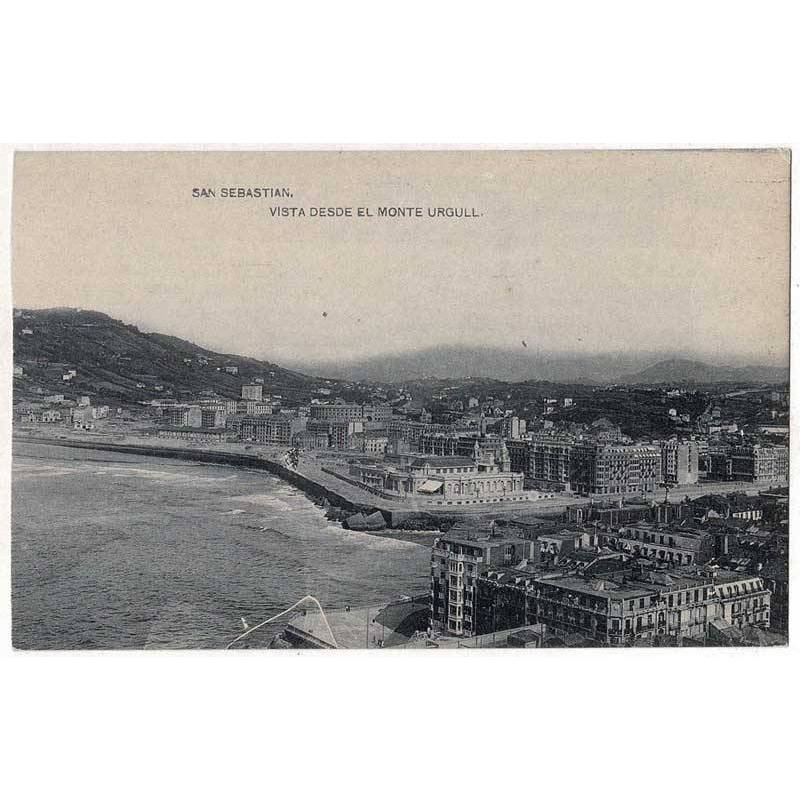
x=685, y=252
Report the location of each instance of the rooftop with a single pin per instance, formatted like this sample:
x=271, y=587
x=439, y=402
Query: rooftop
x=443, y=461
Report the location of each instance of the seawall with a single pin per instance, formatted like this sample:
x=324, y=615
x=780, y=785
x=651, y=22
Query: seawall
x=313, y=489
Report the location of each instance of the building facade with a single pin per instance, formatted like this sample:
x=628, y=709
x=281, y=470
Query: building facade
x=768, y=464
x=679, y=462
x=457, y=559
x=628, y=605
x=270, y=429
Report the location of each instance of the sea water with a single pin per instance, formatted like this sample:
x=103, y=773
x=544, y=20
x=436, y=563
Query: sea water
x=115, y=550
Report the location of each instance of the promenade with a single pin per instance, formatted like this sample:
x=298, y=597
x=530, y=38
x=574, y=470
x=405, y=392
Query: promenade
x=318, y=483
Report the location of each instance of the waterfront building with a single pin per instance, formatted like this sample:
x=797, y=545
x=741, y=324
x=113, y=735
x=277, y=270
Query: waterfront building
x=341, y=434
x=759, y=463
x=446, y=480
x=550, y=461
x=591, y=467
x=212, y=417
x=312, y=439
x=202, y=436
x=615, y=469
x=679, y=462
x=270, y=428
x=457, y=558
x=182, y=416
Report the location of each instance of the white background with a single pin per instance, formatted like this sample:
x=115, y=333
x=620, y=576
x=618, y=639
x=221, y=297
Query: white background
x=607, y=723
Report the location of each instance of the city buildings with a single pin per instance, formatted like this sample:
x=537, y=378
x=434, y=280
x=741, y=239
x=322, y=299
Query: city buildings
x=198, y=435
x=446, y=480
x=275, y=429
x=182, y=416
x=767, y=464
x=377, y=414
x=679, y=462
x=212, y=418
x=590, y=467
x=627, y=604
x=339, y=434
x=457, y=558
x=615, y=469
x=672, y=545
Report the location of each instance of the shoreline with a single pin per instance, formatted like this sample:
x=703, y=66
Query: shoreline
x=331, y=501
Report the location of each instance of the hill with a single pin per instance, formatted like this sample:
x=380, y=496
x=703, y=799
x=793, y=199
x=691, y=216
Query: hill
x=119, y=362
x=525, y=364
x=679, y=370
x=504, y=364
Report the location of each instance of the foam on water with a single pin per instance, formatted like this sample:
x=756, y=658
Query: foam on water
x=157, y=553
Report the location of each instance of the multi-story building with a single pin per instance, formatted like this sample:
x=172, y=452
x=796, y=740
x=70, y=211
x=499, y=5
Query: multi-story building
x=374, y=443
x=212, y=418
x=742, y=599
x=341, y=433
x=446, y=480
x=253, y=407
x=200, y=435
x=182, y=416
x=679, y=462
x=550, y=461
x=437, y=444
x=589, y=467
x=312, y=439
x=252, y=391
x=671, y=545
x=351, y=411
x=615, y=469
x=270, y=429
x=519, y=452
x=718, y=464
x=776, y=578
x=457, y=558
x=514, y=427
x=760, y=463
x=620, y=607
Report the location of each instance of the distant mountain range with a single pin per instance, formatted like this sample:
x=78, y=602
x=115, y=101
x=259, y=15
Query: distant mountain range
x=524, y=364
x=116, y=360
x=680, y=370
